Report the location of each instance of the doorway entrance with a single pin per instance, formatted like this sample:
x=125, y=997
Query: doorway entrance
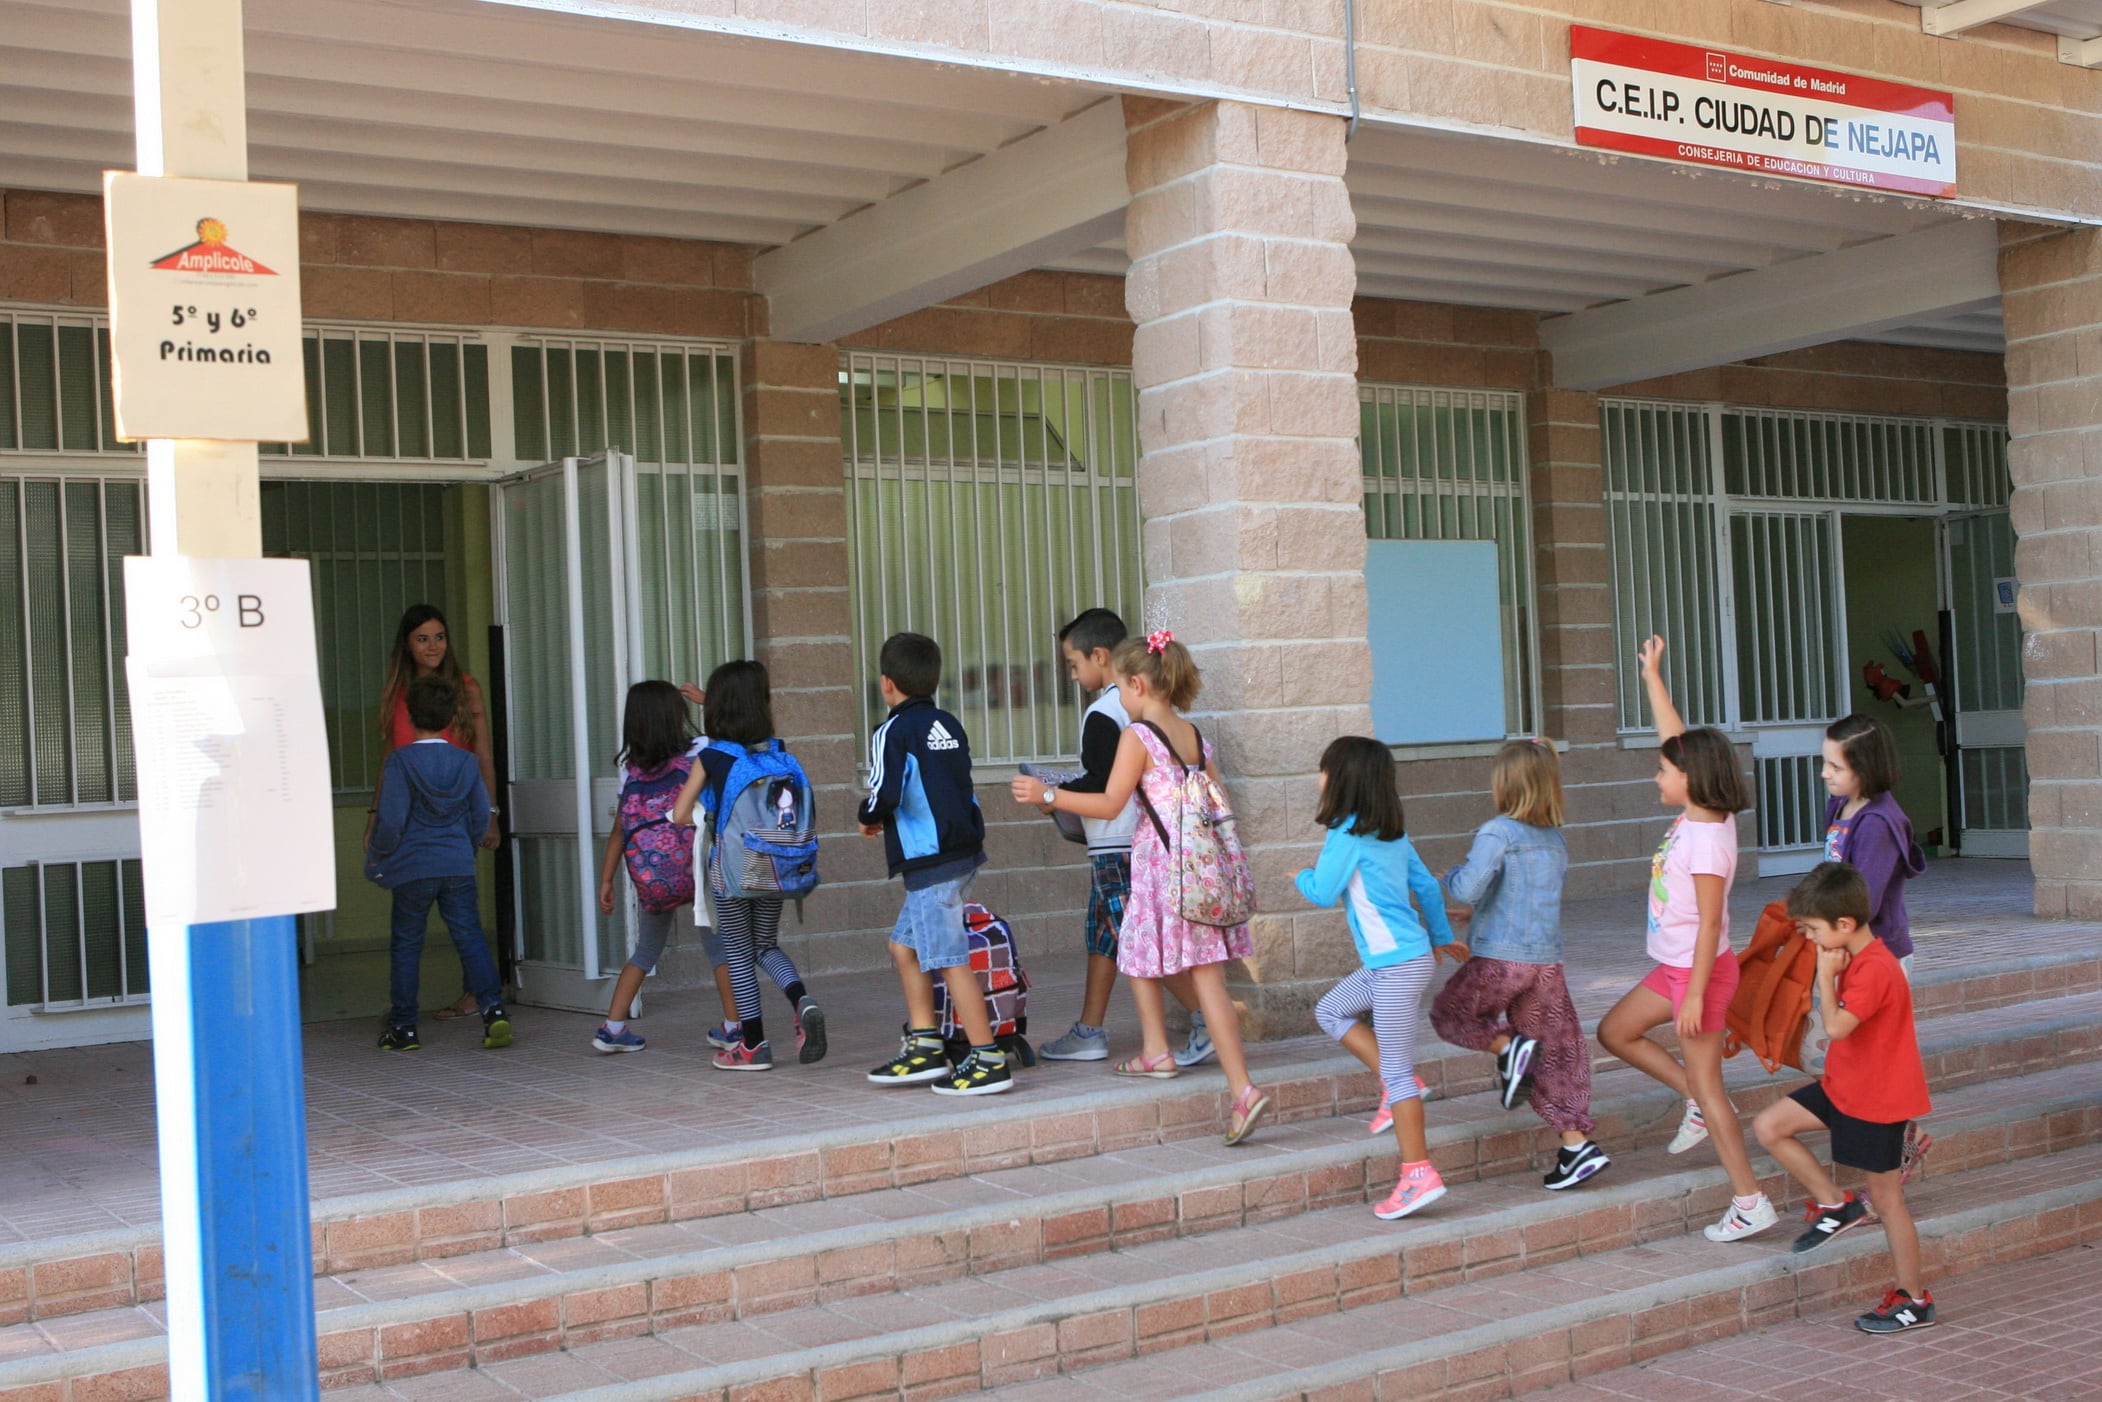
x=612, y=571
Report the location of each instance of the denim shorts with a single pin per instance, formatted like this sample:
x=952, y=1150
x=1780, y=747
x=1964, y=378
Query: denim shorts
x=931, y=925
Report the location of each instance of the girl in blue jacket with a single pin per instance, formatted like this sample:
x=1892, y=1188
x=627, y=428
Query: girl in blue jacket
x=1368, y=866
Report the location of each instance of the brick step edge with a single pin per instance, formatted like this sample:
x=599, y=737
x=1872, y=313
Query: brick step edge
x=91, y=1275
x=399, y=1339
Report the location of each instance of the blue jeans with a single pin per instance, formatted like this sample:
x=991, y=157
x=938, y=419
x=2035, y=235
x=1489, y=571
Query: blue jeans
x=460, y=908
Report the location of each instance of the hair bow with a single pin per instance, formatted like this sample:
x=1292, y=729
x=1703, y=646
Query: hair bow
x=1157, y=641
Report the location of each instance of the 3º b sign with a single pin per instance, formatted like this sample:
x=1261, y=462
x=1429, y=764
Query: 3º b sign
x=204, y=308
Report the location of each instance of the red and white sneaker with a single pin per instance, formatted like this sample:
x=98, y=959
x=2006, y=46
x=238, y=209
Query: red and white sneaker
x=744, y=1058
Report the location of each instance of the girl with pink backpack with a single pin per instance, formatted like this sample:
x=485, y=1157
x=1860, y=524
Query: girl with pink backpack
x=1191, y=893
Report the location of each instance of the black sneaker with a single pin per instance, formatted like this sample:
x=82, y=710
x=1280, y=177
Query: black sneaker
x=399, y=1039
x=1829, y=1222
x=810, y=1031
x=496, y=1028
x=1898, y=1312
x=1513, y=1064
x=1573, y=1166
x=981, y=1073
x=917, y=1062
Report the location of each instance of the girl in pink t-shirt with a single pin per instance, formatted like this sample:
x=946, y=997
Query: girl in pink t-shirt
x=1689, y=937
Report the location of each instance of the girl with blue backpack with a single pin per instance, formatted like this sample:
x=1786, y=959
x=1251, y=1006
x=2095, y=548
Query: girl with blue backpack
x=762, y=851
x=657, y=759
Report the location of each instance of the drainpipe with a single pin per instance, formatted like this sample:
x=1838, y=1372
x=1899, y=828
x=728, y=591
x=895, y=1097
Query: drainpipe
x=1350, y=64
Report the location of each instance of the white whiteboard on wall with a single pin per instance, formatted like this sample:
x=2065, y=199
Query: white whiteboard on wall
x=1437, y=641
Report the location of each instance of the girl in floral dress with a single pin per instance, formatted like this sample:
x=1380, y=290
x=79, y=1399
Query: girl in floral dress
x=1157, y=679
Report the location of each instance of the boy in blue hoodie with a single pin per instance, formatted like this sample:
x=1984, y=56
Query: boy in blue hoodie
x=430, y=813
x=920, y=802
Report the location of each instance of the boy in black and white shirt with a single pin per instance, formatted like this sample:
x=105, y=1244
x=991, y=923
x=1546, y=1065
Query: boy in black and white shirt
x=1085, y=644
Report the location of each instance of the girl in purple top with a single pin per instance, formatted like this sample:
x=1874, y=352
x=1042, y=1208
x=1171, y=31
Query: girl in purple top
x=1865, y=828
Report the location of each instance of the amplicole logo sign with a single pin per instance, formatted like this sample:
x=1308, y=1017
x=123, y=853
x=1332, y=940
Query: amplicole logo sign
x=1687, y=103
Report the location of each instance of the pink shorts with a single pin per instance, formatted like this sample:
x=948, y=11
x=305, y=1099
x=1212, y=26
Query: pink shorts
x=1715, y=1000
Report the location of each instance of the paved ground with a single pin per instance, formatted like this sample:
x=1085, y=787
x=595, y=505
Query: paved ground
x=77, y=1144
x=2031, y=1330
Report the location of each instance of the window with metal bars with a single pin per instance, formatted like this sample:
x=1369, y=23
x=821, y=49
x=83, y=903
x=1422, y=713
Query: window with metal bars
x=1444, y=464
x=988, y=503
x=662, y=402
x=65, y=719
x=1829, y=457
x=410, y=396
x=73, y=934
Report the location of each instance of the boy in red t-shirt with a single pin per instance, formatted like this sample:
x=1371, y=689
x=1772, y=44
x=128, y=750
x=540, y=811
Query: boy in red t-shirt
x=1873, y=1084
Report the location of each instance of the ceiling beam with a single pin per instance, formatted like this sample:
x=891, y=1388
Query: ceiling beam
x=1046, y=196
x=2082, y=53
x=1845, y=295
x=1953, y=18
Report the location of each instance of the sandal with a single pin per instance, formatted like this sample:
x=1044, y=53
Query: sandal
x=463, y=1006
x=1248, y=1107
x=1161, y=1068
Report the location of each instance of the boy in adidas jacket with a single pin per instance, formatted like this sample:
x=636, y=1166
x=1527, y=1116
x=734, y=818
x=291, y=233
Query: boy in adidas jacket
x=920, y=802
x=1873, y=1085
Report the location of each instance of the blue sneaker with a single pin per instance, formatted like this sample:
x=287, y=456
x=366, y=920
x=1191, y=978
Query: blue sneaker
x=624, y=1040
x=1199, y=1047
x=1077, y=1045
x=724, y=1035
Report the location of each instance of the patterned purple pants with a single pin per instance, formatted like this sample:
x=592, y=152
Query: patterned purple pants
x=1490, y=998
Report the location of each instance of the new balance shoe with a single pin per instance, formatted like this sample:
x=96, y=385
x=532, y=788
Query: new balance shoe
x=1514, y=1064
x=724, y=1035
x=919, y=1060
x=1199, y=1047
x=1419, y=1187
x=1574, y=1165
x=624, y=1040
x=1693, y=1130
x=399, y=1039
x=1829, y=1222
x=980, y=1073
x=810, y=1031
x=1738, y=1222
x=1080, y=1043
x=496, y=1028
x=744, y=1058
x=1898, y=1312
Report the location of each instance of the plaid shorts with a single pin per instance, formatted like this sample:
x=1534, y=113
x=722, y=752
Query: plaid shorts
x=1109, y=886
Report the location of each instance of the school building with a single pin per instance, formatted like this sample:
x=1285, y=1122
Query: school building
x=645, y=335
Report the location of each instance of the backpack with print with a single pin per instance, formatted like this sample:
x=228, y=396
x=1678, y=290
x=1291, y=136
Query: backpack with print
x=1212, y=881
x=1777, y=974
x=764, y=821
x=997, y=965
x=659, y=853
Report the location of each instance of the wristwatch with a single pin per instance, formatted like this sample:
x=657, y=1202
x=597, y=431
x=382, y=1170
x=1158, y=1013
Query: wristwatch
x=1050, y=798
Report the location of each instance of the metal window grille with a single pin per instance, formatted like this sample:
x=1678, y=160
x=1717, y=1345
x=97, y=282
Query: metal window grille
x=1995, y=784
x=65, y=718
x=1791, y=798
x=1790, y=651
x=408, y=396
x=375, y=548
x=988, y=503
x=74, y=934
x=1445, y=464
x=1988, y=671
x=1829, y=457
x=55, y=384
x=1976, y=458
x=1661, y=515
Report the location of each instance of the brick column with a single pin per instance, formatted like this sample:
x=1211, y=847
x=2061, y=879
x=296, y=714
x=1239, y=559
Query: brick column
x=2051, y=287
x=1245, y=361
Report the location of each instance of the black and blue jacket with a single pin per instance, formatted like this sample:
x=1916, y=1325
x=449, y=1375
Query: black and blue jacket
x=920, y=789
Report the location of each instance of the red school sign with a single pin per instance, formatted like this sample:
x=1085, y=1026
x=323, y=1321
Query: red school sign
x=1713, y=107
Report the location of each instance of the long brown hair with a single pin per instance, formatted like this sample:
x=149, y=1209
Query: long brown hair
x=1362, y=789
x=401, y=670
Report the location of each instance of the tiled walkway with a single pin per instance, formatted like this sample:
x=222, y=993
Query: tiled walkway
x=76, y=1127
x=2029, y=1331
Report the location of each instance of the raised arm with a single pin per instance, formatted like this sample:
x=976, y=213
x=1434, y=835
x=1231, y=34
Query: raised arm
x=1660, y=705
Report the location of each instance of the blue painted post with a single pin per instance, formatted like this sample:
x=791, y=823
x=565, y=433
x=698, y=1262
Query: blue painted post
x=232, y=1110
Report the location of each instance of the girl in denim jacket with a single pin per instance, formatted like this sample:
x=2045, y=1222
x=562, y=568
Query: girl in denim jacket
x=1511, y=998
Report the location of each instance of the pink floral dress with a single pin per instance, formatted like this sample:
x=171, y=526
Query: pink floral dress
x=1155, y=941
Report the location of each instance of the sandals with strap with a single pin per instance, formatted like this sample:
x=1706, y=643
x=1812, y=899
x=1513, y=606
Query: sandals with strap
x=1248, y=1107
x=1161, y=1068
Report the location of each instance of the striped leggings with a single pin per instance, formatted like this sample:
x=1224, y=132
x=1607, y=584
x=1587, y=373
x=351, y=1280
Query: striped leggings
x=1394, y=997
x=750, y=930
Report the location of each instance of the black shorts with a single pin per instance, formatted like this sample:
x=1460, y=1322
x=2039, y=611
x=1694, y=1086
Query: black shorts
x=1861, y=1144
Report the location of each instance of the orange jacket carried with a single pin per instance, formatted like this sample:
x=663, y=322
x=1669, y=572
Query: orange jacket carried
x=1778, y=975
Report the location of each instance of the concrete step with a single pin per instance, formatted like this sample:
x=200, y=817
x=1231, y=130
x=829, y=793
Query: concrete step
x=815, y=1257
x=1989, y=1019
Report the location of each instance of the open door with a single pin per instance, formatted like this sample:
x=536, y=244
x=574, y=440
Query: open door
x=1991, y=792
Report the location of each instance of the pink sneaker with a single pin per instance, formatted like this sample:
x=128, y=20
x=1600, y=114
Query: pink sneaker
x=1420, y=1186
x=1383, y=1121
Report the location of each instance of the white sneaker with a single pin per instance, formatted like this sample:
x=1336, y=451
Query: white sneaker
x=1693, y=1130
x=1737, y=1224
